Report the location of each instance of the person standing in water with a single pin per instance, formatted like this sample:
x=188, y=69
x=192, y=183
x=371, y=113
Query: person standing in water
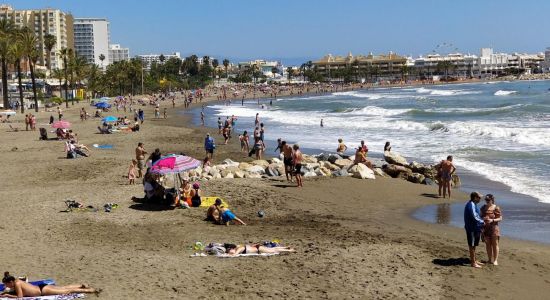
x=322, y=125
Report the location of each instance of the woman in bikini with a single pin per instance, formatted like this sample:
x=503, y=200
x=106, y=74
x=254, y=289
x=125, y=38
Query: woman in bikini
x=21, y=288
x=492, y=215
x=232, y=250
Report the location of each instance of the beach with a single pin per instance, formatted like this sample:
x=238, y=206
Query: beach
x=354, y=238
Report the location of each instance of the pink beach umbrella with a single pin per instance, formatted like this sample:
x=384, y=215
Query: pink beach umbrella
x=173, y=164
x=61, y=124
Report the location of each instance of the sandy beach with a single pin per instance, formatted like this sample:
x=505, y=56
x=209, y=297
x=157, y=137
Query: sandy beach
x=355, y=239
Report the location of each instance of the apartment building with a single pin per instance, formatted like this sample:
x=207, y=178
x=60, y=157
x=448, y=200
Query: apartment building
x=42, y=22
x=118, y=53
x=92, y=39
x=383, y=66
x=149, y=59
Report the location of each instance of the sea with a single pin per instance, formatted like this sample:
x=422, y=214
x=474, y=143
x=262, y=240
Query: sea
x=497, y=132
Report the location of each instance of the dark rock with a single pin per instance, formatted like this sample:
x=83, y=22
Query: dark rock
x=395, y=171
x=333, y=157
x=416, y=178
x=395, y=159
x=340, y=173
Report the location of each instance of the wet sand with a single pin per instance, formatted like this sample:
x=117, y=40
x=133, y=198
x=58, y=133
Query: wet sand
x=355, y=238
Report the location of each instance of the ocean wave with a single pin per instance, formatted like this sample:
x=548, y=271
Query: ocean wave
x=463, y=111
x=504, y=93
x=437, y=92
x=378, y=111
x=517, y=179
x=372, y=96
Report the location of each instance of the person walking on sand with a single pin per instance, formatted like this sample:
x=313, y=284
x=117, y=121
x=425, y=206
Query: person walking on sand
x=491, y=215
x=140, y=157
x=209, y=146
x=297, y=160
x=446, y=169
x=473, y=224
x=132, y=172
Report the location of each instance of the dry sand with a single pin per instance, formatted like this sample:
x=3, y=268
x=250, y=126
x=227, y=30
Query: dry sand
x=355, y=238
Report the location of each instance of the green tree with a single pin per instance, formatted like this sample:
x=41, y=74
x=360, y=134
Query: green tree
x=289, y=73
x=16, y=53
x=215, y=64
x=66, y=54
x=49, y=43
x=226, y=66
x=102, y=58
x=274, y=71
x=59, y=74
x=7, y=29
x=29, y=44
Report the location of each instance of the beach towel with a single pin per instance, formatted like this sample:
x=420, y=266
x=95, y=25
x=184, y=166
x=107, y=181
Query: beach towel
x=103, y=146
x=246, y=254
x=57, y=297
x=208, y=201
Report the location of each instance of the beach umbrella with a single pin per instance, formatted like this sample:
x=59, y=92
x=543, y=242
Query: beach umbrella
x=109, y=119
x=61, y=124
x=102, y=105
x=174, y=164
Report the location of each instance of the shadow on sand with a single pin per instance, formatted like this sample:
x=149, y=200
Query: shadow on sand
x=449, y=262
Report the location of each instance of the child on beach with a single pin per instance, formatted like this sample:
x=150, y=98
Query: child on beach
x=132, y=172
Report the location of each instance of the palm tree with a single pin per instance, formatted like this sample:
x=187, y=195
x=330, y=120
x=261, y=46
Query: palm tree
x=206, y=60
x=445, y=66
x=49, y=44
x=215, y=64
x=102, y=58
x=225, y=65
x=29, y=44
x=78, y=65
x=65, y=54
x=16, y=53
x=289, y=72
x=6, y=35
x=274, y=71
x=59, y=74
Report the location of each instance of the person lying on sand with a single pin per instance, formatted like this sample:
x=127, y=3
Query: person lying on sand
x=232, y=249
x=21, y=288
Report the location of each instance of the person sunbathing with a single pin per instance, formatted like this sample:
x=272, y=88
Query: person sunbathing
x=234, y=250
x=21, y=288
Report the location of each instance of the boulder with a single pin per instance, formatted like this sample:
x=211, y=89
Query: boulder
x=310, y=174
x=342, y=163
x=362, y=172
x=455, y=181
x=281, y=169
x=261, y=163
x=340, y=173
x=244, y=166
x=428, y=181
x=228, y=170
x=213, y=171
x=416, y=178
x=217, y=176
x=239, y=174
x=207, y=177
x=312, y=166
x=309, y=159
x=252, y=175
x=229, y=162
x=333, y=157
x=220, y=167
x=322, y=157
x=229, y=175
x=256, y=169
x=378, y=172
x=271, y=170
x=329, y=166
x=324, y=171
x=395, y=170
x=275, y=160
x=395, y=159
x=417, y=167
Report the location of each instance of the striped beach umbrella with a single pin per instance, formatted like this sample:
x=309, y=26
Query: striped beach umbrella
x=61, y=124
x=172, y=164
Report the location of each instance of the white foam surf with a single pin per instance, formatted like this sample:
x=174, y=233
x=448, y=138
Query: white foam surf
x=504, y=93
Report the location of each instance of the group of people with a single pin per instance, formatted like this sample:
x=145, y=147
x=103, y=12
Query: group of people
x=482, y=224
x=292, y=161
x=30, y=122
x=218, y=214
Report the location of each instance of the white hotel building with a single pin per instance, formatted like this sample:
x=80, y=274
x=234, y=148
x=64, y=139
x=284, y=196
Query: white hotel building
x=149, y=59
x=91, y=39
x=118, y=53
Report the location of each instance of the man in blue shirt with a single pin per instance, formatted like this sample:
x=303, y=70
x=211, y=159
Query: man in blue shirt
x=473, y=224
x=209, y=146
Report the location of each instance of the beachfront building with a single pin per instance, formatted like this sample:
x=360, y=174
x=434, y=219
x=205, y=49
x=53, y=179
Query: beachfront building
x=149, y=59
x=91, y=40
x=453, y=65
x=378, y=67
x=118, y=53
x=42, y=22
x=525, y=63
x=546, y=63
x=267, y=68
x=490, y=63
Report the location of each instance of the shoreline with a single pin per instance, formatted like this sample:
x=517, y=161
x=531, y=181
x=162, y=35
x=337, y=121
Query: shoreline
x=354, y=237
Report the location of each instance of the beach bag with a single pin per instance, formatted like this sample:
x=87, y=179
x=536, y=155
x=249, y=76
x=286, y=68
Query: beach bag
x=71, y=154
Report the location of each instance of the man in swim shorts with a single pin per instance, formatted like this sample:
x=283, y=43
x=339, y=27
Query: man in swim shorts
x=473, y=224
x=446, y=169
x=140, y=157
x=287, y=160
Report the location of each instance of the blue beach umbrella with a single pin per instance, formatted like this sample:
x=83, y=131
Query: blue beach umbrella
x=109, y=119
x=102, y=105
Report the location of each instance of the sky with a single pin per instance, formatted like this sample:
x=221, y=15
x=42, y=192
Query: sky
x=300, y=30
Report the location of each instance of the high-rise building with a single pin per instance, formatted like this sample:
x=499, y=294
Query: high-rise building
x=117, y=53
x=149, y=59
x=42, y=22
x=91, y=40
